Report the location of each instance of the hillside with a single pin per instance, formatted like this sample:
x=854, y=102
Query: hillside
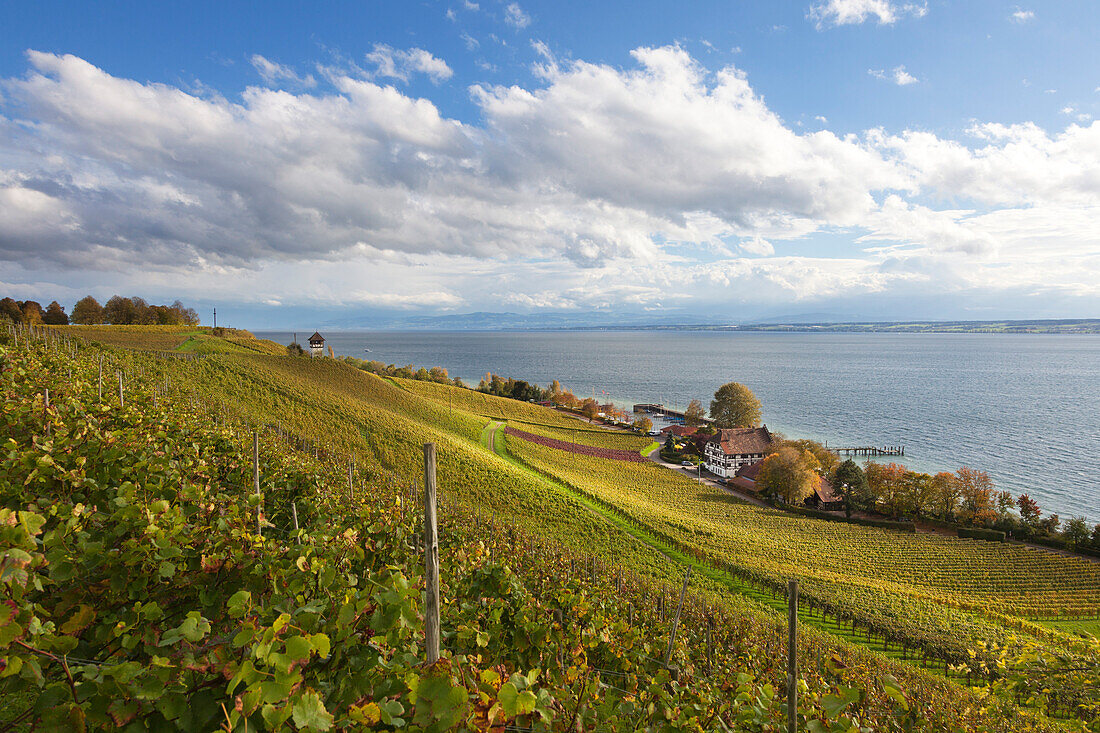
x=321, y=627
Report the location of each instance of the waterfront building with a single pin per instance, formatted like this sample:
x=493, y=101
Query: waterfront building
x=731, y=448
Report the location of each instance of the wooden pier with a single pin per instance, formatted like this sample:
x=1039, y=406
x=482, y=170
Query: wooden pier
x=869, y=450
x=668, y=414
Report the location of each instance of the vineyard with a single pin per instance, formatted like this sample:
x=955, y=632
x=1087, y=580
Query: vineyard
x=583, y=435
x=214, y=602
x=609, y=454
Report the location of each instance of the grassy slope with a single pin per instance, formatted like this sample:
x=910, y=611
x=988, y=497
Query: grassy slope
x=356, y=413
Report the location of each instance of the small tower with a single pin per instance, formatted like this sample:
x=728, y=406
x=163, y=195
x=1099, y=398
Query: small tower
x=316, y=344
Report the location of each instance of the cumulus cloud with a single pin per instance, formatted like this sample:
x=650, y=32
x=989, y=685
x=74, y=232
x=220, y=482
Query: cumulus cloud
x=279, y=75
x=833, y=13
x=1022, y=16
x=398, y=64
x=665, y=175
x=898, y=75
x=515, y=16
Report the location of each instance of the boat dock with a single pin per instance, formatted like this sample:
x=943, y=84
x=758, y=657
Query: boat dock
x=675, y=416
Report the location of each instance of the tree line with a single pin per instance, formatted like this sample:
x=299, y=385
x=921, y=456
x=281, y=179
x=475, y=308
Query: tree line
x=793, y=469
x=118, y=311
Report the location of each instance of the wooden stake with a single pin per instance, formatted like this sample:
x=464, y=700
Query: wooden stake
x=121, y=398
x=101, y=379
x=676, y=620
x=792, y=656
x=294, y=513
x=256, y=478
x=431, y=559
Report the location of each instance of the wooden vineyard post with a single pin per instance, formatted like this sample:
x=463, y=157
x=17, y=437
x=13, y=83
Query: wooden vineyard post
x=351, y=492
x=431, y=559
x=121, y=398
x=256, y=479
x=676, y=619
x=294, y=513
x=792, y=656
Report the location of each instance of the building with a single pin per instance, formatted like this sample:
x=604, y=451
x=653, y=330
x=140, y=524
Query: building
x=825, y=497
x=745, y=478
x=316, y=344
x=731, y=448
x=680, y=431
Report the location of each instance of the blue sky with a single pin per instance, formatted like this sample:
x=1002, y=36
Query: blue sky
x=849, y=157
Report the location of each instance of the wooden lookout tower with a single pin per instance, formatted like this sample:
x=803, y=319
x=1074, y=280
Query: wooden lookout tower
x=316, y=344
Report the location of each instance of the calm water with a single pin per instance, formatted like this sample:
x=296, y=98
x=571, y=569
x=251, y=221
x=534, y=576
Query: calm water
x=1025, y=408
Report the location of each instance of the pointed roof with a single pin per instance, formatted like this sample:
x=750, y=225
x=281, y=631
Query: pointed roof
x=742, y=440
x=316, y=337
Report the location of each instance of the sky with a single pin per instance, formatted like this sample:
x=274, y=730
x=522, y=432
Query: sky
x=365, y=162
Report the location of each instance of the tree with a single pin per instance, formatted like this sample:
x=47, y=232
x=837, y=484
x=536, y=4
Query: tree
x=1029, y=510
x=1077, y=532
x=590, y=409
x=87, y=311
x=643, y=425
x=851, y=484
x=694, y=414
x=918, y=493
x=826, y=460
x=945, y=489
x=10, y=310
x=55, y=315
x=976, y=493
x=295, y=349
x=32, y=312
x=884, y=483
x=119, y=311
x=788, y=473
x=735, y=406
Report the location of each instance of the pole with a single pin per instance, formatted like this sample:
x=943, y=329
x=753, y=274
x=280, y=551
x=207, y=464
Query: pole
x=792, y=656
x=294, y=513
x=431, y=559
x=676, y=620
x=121, y=399
x=256, y=478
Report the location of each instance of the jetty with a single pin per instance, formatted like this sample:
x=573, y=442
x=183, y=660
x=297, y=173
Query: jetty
x=665, y=412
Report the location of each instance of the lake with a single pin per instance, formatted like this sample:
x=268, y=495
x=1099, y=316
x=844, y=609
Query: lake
x=1025, y=408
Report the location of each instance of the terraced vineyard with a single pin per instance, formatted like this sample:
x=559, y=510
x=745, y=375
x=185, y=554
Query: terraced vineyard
x=611, y=454
x=324, y=413
x=1007, y=578
x=585, y=435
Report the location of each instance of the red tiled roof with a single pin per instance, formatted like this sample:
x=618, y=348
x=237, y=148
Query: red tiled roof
x=680, y=431
x=742, y=440
x=750, y=471
x=826, y=494
x=743, y=483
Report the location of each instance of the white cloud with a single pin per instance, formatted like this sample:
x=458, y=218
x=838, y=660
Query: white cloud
x=399, y=64
x=599, y=186
x=903, y=77
x=470, y=6
x=854, y=12
x=757, y=246
x=898, y=75
x=515, y=16
x=822, y=119
x=279, y=75
x=1022, y=16
x=472, y=43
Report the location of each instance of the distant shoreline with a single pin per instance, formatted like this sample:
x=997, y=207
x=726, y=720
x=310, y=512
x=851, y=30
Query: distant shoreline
x=1051, y=326
x=1084, y=326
